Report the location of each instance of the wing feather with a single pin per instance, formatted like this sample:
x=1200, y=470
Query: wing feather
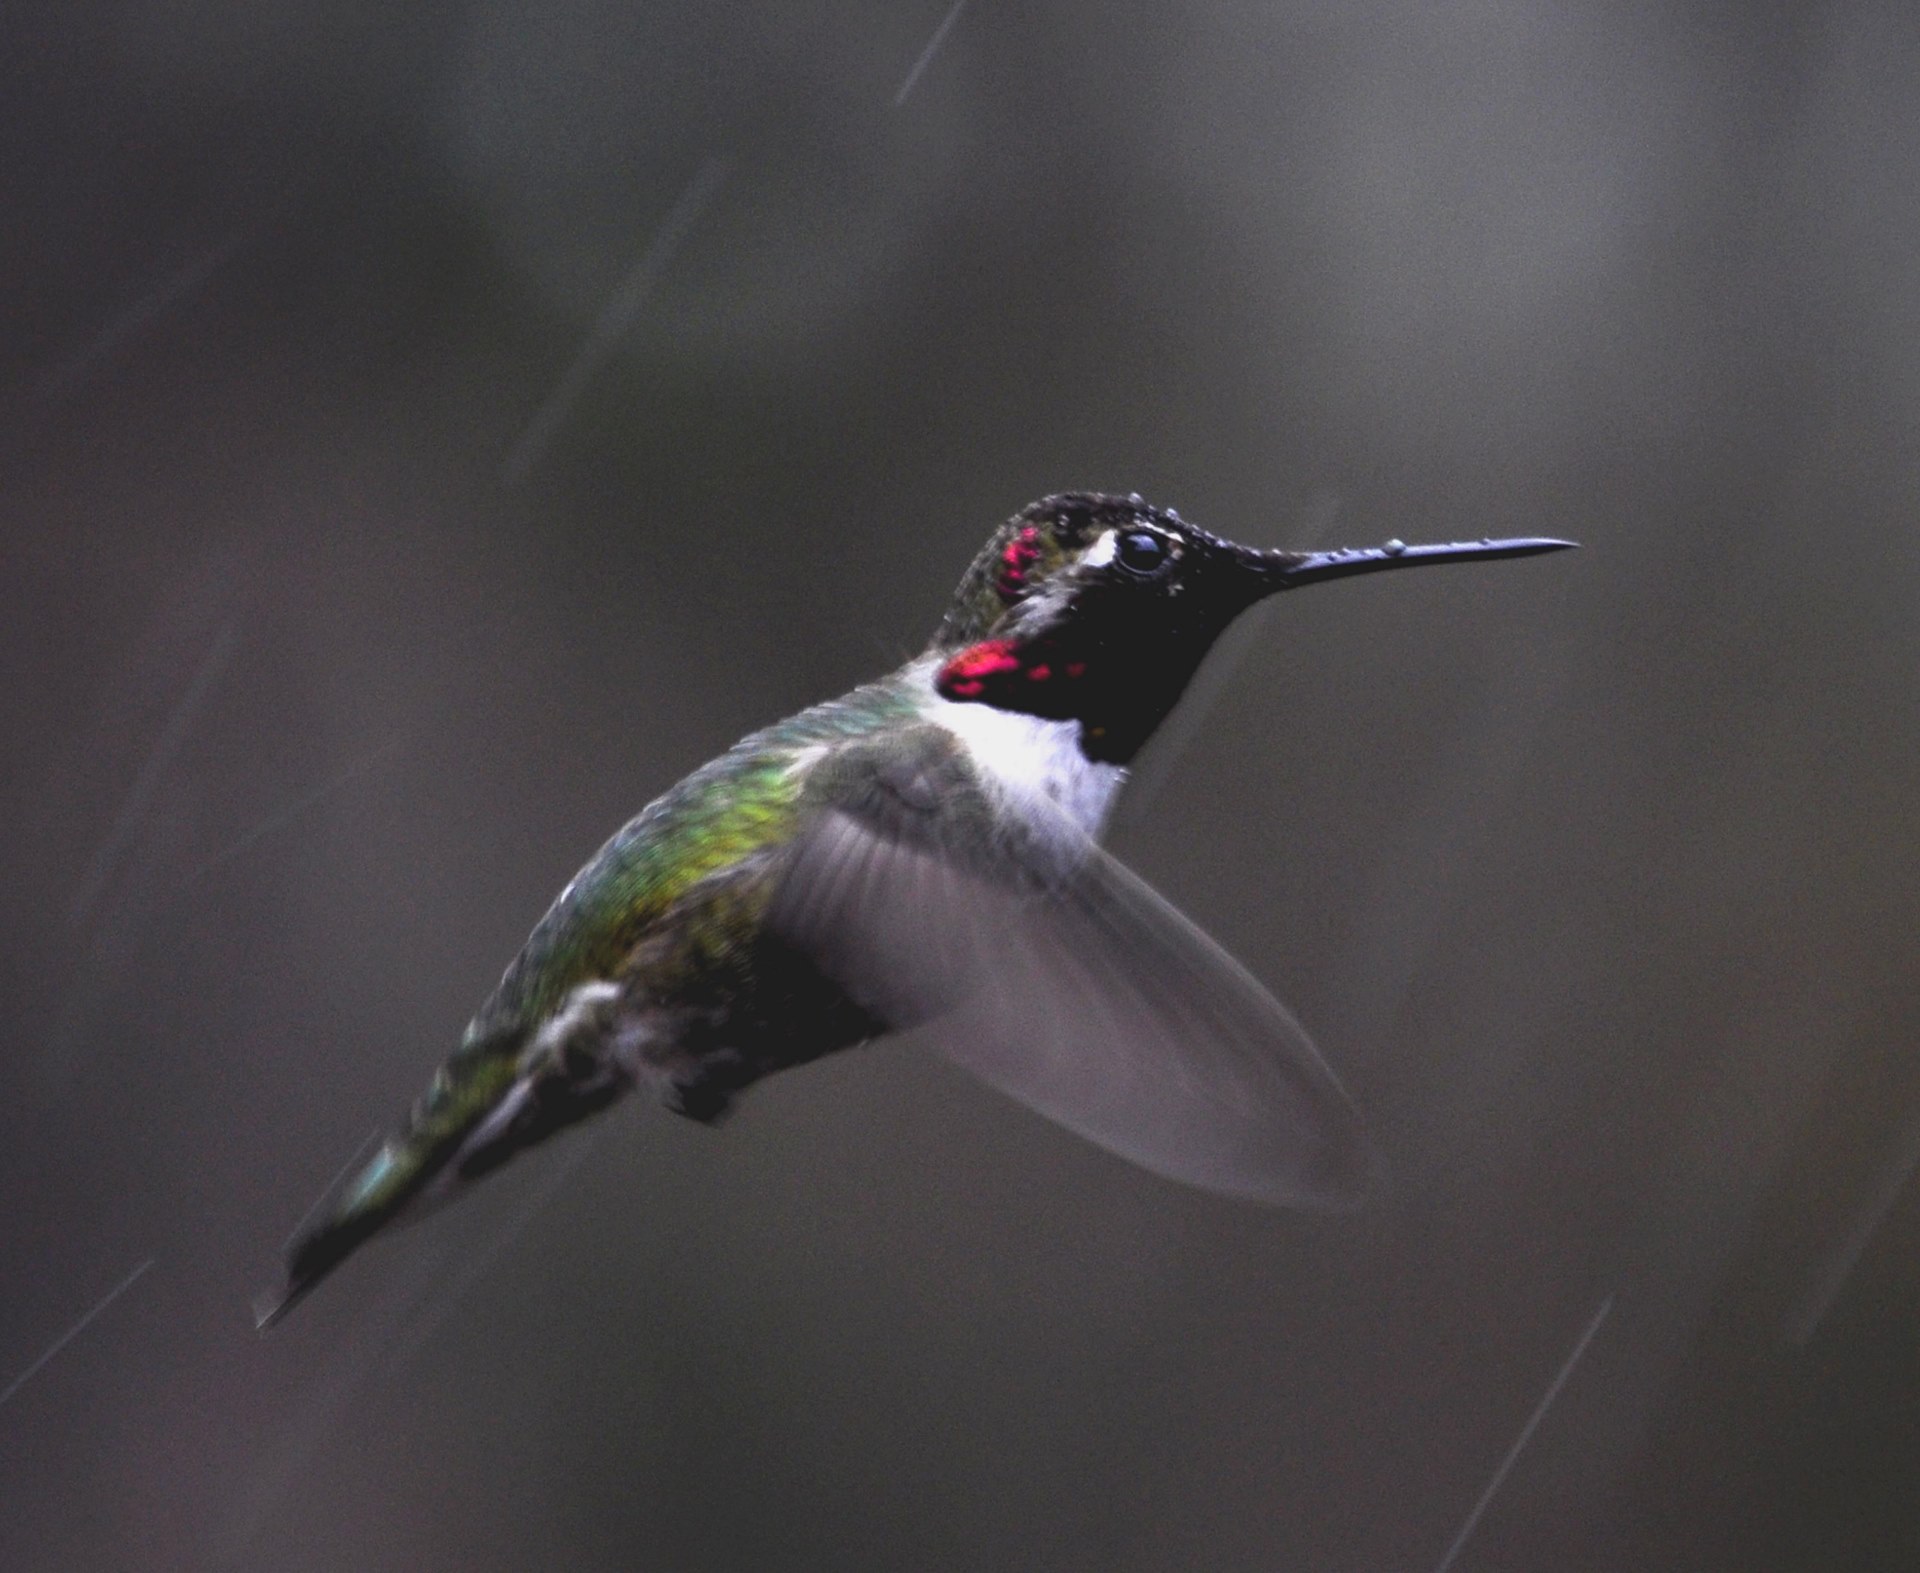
x=1057, y=976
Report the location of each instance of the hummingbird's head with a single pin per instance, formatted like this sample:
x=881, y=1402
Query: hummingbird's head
x=1099, y=608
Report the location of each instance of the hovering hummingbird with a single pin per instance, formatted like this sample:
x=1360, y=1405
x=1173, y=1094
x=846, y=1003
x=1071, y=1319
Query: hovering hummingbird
x=921, y=853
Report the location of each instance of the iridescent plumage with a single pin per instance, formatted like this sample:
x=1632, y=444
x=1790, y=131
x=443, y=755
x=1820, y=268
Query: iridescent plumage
x=920, y=853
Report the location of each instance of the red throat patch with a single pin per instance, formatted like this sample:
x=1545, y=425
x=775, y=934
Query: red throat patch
x=965, y=676
x=994, y=666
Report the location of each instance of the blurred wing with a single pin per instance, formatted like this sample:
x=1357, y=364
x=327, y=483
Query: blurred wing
x=1065, y=981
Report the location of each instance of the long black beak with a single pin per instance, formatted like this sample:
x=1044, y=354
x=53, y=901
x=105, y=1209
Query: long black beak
x=1290, y=570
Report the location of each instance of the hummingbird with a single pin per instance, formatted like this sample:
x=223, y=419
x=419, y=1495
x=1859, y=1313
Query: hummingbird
x=921, y=854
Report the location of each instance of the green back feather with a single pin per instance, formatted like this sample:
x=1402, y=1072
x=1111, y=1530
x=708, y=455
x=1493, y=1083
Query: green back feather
x=745, y=802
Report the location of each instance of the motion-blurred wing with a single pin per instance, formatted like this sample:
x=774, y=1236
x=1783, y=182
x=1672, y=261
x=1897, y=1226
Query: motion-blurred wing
x=1065, y=981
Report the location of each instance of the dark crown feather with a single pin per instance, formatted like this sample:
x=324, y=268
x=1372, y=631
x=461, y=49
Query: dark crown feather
x=1024, y=553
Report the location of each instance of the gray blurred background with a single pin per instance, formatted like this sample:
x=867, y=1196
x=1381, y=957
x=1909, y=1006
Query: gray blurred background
x=427, y=431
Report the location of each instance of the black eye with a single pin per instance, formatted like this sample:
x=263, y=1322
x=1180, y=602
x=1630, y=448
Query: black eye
x=1140, y=552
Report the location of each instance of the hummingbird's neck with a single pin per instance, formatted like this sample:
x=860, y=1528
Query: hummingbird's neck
x=1039, y=765
x=1117, y=691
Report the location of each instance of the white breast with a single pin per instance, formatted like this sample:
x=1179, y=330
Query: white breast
x=1033, y=761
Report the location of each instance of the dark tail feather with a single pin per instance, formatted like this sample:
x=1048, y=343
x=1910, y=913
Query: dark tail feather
x=347, y=1218
x=464, y=1092
x=485, y=1106
x=310, y=1258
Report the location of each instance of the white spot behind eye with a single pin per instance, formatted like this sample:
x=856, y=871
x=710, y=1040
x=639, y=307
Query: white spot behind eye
x=1100, y=553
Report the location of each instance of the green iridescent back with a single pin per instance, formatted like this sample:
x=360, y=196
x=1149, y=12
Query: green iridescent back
x=742, y=803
